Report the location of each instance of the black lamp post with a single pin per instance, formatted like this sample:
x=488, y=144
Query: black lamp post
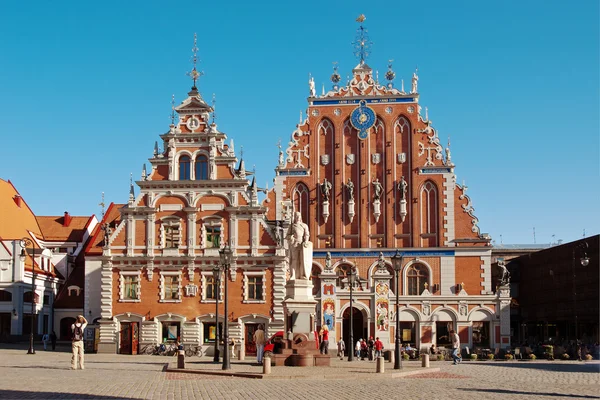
x=585, y=261
x=216, y=286
x=351, y=278
x=397, y=263
x=24, y=243
x=225, y=255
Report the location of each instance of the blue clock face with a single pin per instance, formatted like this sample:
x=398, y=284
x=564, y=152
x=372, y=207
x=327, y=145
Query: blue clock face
x=362, y=118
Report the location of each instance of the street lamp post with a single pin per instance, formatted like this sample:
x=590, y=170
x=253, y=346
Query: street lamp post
x=216, y=286
x=585, y=261
x=24, y=243
x=351, y=277
x=397, y=263
x=225, y=255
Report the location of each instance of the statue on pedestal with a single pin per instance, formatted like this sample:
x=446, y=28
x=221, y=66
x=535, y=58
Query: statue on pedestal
x=505, y=277
x=300, y=248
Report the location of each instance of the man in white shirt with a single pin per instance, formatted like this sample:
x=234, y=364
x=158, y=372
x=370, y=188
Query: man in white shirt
x=455, y=347
x=77, y=342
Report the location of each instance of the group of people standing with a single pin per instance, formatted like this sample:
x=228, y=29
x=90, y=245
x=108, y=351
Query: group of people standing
x=370, y=349
x=49, y=338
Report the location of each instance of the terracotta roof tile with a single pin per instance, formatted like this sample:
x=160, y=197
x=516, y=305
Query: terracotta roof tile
x=16, y=218
x=53, y=228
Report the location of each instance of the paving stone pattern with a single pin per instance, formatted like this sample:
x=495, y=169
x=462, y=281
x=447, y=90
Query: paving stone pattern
x=47, y=375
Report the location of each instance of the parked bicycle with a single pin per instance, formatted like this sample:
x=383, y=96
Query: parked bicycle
x=193, y=351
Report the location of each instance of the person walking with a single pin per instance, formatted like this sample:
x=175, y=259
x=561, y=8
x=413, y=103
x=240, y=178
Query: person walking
x=45, y=339
x=324, y=334
x=53, y=340
x=455, y=347
x=259, y=341
x=378, y=347
x=77, y=342
x=357, y=348
x=341, y=345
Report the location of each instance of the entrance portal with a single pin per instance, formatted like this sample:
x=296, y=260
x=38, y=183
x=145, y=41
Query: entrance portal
x=249, y=339
x=358, y=330
x=129, y=337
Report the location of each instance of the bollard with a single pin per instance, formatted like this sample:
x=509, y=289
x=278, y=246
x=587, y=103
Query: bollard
x=392, y=356
x=266, y=365
x=380, y=365
x=241, y=354
x=425, y=360
x=181, y=359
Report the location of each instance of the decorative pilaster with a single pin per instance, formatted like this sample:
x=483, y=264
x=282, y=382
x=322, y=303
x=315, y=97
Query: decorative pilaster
x=150, y=232
x=191, y=232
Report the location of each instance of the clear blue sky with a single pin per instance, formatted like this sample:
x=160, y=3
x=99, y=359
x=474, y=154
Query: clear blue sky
x=85, y=90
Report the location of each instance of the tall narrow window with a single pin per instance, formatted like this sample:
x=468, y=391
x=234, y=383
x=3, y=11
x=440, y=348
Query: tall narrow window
x=417, y=276
x=300, y=198
x=171, y=288
x=211, y=289
x=130, y=290
x=255, y=288
x=201, y=167
x=184, y=168
x=429, y=212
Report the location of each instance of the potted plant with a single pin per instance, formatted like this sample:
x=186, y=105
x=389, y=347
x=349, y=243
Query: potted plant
x=588, y=357
x=509, y=356
x=473, y=356
x=405, y=356
x=565, y=356
x=549, y=351
x=490, y=356
x=532, y=356
x=440, y=357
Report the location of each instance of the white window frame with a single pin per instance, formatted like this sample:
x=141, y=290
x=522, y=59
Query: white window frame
x=170, y=221
x=203, y=275
x=262, y=275
x=163, y=274
x=122, y=275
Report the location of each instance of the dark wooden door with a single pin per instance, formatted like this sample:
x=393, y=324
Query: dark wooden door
x=135, y=332
x=125, y=338
x=250, y=345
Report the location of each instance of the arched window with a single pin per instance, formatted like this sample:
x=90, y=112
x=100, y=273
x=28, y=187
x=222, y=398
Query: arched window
x=5, y=295
x=27, y=297
x=300, y=199
x=201, y=167
x=326, y=127
x=417, y=276
x=184, y=168
x=429, y=213
x=402, y=126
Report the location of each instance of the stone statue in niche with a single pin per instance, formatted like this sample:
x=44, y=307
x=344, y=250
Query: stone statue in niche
x=350, y=189
x=377, y=189
x=325, y=189
x=402, y=186
x=300, y=248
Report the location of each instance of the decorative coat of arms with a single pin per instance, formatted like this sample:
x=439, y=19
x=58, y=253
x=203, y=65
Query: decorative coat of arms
x=402, y=158
x=376, y=158
x=350, y=159
x=325, y=159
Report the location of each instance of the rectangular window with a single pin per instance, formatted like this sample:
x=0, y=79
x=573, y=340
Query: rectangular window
x=130, y=287
x=171, y=288
x=170, y=331
x=255, y=288
x=481, y=334
x=210, y=288
x=442, y=330
x=172, y=237
x=210, y=332
x=213, y=237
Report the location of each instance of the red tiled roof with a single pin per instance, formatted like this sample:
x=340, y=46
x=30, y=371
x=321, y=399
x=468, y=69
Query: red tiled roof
x=54, y=229
x=112, y=217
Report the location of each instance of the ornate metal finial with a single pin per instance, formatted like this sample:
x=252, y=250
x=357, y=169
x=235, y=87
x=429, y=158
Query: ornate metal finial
x=194, y=73
x=362, y=44
x=241, y=152
x=390, y=75
x=172, y=109
x=448, y=155
x=335, y=77
x=102, y=204
x=131, y=190
x=214, y=107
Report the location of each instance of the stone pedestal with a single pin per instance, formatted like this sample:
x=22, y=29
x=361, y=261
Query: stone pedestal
x=300, y=305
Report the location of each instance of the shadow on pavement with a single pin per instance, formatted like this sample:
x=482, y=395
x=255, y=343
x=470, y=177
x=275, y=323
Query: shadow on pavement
x=518, y=392
x=573, y=366
x=25, y=394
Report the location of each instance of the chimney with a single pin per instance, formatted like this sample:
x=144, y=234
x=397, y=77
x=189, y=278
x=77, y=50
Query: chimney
x=66, y=219
x=18, y=200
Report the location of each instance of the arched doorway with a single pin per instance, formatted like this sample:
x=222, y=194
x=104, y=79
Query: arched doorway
x=65, y=328
x=358, y=325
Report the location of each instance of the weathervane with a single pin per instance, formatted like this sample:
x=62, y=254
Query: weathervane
x=335, y=77
x=390, y=75
x=102, y=204
x=194, y=73
x=214, y=112
x=362, y=44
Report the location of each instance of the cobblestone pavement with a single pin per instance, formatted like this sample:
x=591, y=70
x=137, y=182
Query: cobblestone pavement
x=46, y=375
